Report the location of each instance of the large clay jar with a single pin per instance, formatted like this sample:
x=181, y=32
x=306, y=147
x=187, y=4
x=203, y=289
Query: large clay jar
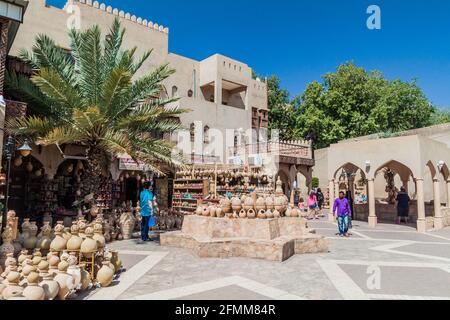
x=251, y=214
x=236, y=204
x=17, y=246
x=270, y=203
x=98, y=236
x=262, y=214
x=260, y=204
x=23, y=256
x=53, y=261
x=205, y=212
x=115, y=260
x=31, y=241
x=288, y=212
x=220, y=213
x=85, y=278
x=33, y=291
x=65, y=280
x=248, y=204
x=13, y=289
x=66, y=234
x=276, y=214
x=74, y=270
x=37, y=257
x=44, y=241
x=89, y=245
x=199, y=210
x=7, y=246
x=75, y=241
x=25, y=230
x=59, y=243
x=295, y=213
x=279, y=204
x=269, y=214
x=50, y=286
x=242, y=214
x=105, y=275
x=82, y=228
x=226, y=205
x=212, y=211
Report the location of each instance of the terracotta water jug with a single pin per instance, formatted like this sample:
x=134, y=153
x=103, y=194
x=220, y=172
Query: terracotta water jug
x=89, y=245
x=199, y=210
x=74, y=270
x=98, y=236
x=44, y=241
x=66, y=234
x=212, y=211
x=115, y=260
x=269, y=214
x=105, y=275
x=75, y=241
x=276, y=214
x=236, y=204
x=25, y=230
x=23, y=256
x=85, y=278
x=220, y=213
x=205, y=212
x=242, y=214
x=50, y=286
x=262, y=214
x=65, y=280
x=260, y=204
x=53, y=262
x=249, y=203
x=59, y=243
x=251, y=214
x=270, y=203
x=13, y=289
x=33, y=291
x=31, y=241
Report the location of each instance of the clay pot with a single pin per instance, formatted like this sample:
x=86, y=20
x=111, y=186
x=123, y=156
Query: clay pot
x=13, y=289
x=235, y=215
x=276, y=214
x=242, y=214
x=50, y=287
x=28, y=267
x=66, y=234
x=270, y=203
x=260, y=204
x=59, y=243
x=269, y=214
x=23, y=256
x=220, y=213
x=262, y=214
x=205, y=212
x=85, y=278
x=53, y=261
x=105, y=275
x=17, y=246
x=98, y=236
x=65, y=280
x=212, y=211
x=74, y=270
x=89, y=245
x=33, y=291
x=75, y=241
x=31, y=241
x=251, y=214
x=236, y=204
x=225, y=205
x=45, y=241
x=288, y=212
x=249, y=203
x=199, y=210
x=295, y=213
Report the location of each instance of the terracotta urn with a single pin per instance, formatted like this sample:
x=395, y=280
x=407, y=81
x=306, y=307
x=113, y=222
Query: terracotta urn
x=33, y=291
x=25, y=226
x=212, y=211
x=220, y=213
x=236, y=204
x=74, y=270
x=89, y=245
x=276, y=214
x=53, y=262
x=262, y=214
x=28, y=268
x=43, y=267
x=13, y=289
x=7, y=246
x=75, y=241
x=270, y=203
x=85, y=278
x=65, y=280
x=105, y=275
x=58, y=243
x=295, y=213
x=66, y=234
x=260, y=204
x=44, y=241
x=288, y=212
x=115, y=260
x=98, y=236
x=199, y=210
x=82, y=228
x=251, y=214
x=31, y=241
x=248, y=203
x=37, y=257
x=17, y=246
x=50, y=286
x=226, y=205
x=242, y=214
x=279, y=203
x=205, y=212
x=269, y=214
x=23, y=256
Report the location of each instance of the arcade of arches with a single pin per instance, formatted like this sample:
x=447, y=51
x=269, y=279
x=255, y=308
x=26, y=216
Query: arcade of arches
x=378, y=168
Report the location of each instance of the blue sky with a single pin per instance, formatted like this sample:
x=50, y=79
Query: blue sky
x=300, y=40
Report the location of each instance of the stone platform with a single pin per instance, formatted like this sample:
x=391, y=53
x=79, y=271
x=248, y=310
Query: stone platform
x=271, y=239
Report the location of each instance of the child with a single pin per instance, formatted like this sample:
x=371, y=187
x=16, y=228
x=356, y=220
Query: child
x=301, y=205
x=312, y=205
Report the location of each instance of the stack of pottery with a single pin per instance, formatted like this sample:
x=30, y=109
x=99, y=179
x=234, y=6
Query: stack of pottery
x=226, y=205
x=7, y=246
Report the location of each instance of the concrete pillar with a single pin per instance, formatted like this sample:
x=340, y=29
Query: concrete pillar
x=438, y=219
x=421, y=220
x=331, y=202
x=448, y=193
x=336, y=190
x=218, y=92
x=373, y=221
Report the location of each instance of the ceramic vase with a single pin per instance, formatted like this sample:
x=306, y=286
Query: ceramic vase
x=242, y=214
x=74, y=270
x=53, y=262
x=65, y=280
x=75, y=241
x=12, y=289
x=31, y=241
x=262, y=214
x=89, y=245
x=105, y=275
x=59, y=243
x=33, y=291
x=276, y=214
x=251, y=214
x=50, y=286
x=269, y=214
x=98, y=236
x=85, y=278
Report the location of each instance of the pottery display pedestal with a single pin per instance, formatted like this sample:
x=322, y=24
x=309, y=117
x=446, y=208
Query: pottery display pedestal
x=269, y=239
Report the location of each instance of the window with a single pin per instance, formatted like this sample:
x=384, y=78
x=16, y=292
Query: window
x=206, y=134
x=174, y=91
x=192, y=132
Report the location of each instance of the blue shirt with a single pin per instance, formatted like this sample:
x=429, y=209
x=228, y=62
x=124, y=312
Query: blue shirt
x=145, y=197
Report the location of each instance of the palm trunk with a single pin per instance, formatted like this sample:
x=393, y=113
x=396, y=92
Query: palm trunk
x=91, y=180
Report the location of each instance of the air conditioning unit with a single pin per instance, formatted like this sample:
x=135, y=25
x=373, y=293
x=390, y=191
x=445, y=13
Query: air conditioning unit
x=237, y=161
x=255, y=160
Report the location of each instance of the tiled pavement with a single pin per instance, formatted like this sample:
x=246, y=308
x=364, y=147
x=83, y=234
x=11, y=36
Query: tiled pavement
x=388, y=262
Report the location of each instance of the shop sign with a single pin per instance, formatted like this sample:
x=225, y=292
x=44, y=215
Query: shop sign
x=130, y=165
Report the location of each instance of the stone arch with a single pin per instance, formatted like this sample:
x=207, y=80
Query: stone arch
x=445, y=172
x=399, y=168
x=349, y=166
x=287, y=184
x=432, y=169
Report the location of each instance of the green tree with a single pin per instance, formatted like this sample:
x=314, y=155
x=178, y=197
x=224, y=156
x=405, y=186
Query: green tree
x=92, y=97
x=353, y=102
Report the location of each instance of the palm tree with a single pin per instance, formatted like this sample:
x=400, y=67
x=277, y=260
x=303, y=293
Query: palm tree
x=90, y=96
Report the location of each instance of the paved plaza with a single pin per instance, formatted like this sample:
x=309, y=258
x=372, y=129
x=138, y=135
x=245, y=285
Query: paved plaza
x=388, y=262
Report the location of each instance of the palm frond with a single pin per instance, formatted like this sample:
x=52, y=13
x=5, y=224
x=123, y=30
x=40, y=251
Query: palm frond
x=112, y=43
x=31, y=126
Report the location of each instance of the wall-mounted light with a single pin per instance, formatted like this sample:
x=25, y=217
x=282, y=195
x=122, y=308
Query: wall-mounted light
x=368, y=165
x=440, y=165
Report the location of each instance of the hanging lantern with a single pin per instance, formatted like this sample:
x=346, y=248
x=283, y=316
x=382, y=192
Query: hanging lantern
x=29, y=166
x=18, y=161
x=80, y=165
x=38, y=173
x=127, y=175
x=121, y=179
x=70, y=168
